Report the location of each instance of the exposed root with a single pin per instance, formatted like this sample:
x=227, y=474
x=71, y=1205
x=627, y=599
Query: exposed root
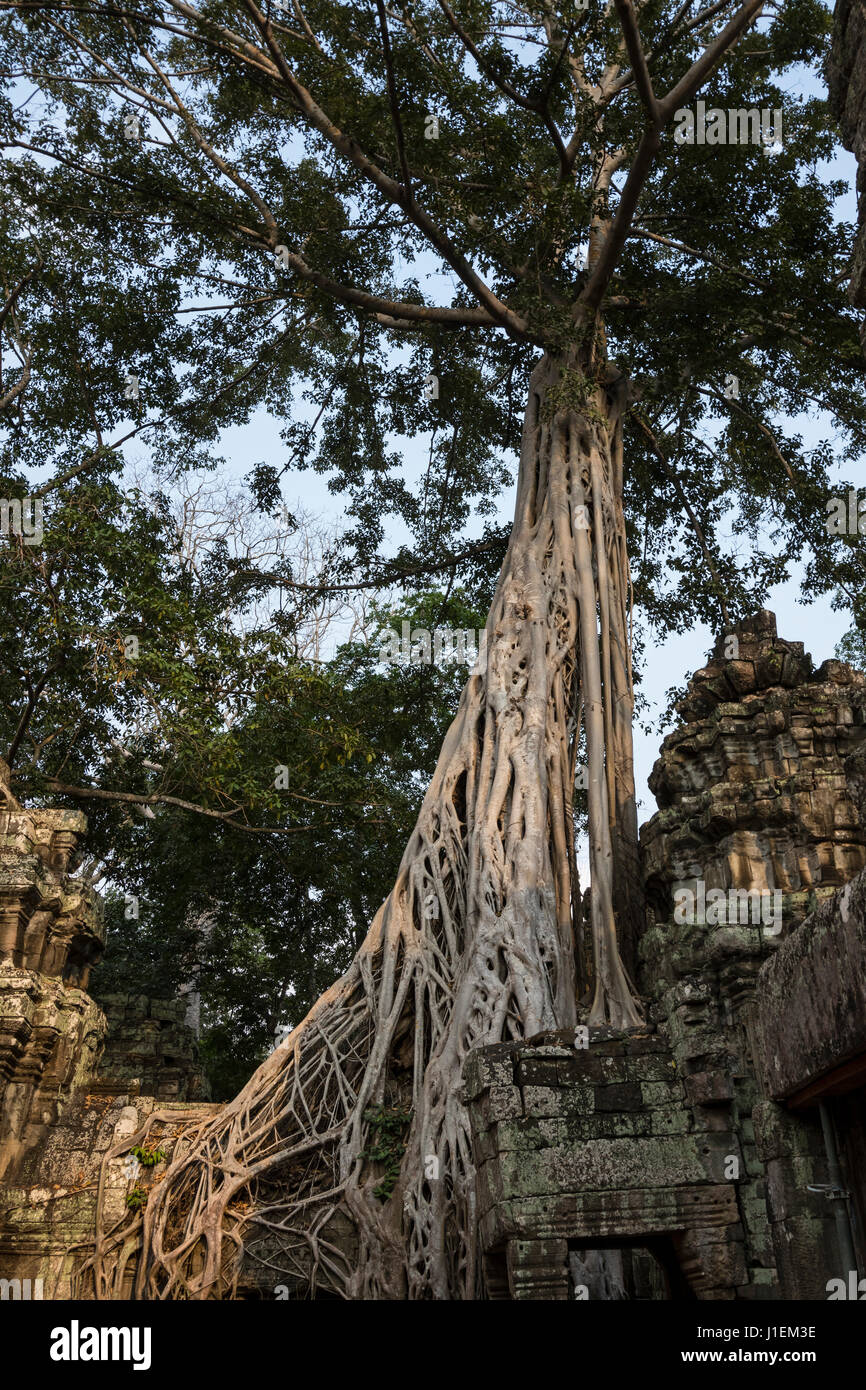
x=474, y=945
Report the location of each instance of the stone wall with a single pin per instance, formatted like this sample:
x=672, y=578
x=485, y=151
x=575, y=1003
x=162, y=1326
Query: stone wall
x=77, y=1084
x=578, y=1147
x=149, y=1048
x=51, y=932
x=847, y=82
x=679, y=1140
x=797, y=1041
x=809, y=1036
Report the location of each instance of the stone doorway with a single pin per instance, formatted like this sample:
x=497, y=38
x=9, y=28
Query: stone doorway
x=642, y=1272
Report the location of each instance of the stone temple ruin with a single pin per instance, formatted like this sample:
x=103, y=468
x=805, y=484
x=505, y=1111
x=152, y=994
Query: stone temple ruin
x=715, y=1153
x=74, y=1076
x=695, y=1144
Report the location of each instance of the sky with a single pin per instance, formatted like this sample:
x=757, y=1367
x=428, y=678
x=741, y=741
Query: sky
x=669, y=661
x=816, y=625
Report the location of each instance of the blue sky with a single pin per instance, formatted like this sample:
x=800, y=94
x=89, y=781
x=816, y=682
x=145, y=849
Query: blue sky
x=669, y=661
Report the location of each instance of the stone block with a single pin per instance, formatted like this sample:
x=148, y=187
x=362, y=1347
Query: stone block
x=604, y=1164
x=500, y=1103
x=709, y=1088
x=623, y=1096
x=659, y=1095
x=674, y=1120
x=541, y=1100
x=534, y=1070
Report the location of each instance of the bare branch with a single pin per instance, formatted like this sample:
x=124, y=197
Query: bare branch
x=593, y=291
x=160, y=799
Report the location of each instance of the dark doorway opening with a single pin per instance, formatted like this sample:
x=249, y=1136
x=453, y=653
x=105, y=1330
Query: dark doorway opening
x=627, y=1270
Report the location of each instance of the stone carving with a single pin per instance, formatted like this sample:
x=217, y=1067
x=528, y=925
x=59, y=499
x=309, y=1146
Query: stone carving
x=753, y=787
x=51, y=932
x=68, y=1096
x=846, y=75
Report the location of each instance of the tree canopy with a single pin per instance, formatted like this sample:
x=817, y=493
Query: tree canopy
x=319, y=212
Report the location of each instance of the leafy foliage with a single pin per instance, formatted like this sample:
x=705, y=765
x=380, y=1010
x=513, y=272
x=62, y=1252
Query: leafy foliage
x=388, y=1127
x=454, y=259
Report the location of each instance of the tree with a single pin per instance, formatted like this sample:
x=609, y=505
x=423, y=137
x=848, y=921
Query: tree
x=329, y=156
x=283, y=913
x=139, y=681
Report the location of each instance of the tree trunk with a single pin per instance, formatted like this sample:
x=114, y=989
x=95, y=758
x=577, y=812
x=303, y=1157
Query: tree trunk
x=474, y=944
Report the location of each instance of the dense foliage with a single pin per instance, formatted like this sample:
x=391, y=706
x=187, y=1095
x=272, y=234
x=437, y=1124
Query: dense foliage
x=154, y=160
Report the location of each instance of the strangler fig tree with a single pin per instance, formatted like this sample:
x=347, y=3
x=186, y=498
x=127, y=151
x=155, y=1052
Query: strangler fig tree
x=489, y=196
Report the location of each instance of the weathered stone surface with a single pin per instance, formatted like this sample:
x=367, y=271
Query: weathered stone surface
x=58, y=1119
x=846, y=73
x=709, y=1088
x=149, y=1043
x=754, y=794
x=51, y=1207
x=613, y=1151
x=51, y=933
x=824, y=959
x=651, y=1135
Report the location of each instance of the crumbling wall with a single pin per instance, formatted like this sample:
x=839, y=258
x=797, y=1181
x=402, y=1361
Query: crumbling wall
x=798, y=1039
x=580, y=1146
x=149, y=1048
x=754, y=787
x=75, y=1082
x=673, y=1136
x=51, y=933
x=846, y=74
x=48, y=1217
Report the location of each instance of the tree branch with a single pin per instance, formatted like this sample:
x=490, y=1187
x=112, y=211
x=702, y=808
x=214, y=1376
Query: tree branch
x=407, y=572
x=537, y=107
x=12, y=802
x=733, y=406
x=593, y=291
x=700, y=255
x=711, y=56
x=631, y=34
x=392, y=97
x=349, y=148
x=9, y=307
x=160, y=799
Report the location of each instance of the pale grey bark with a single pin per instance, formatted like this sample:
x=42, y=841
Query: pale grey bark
x=475, y=943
